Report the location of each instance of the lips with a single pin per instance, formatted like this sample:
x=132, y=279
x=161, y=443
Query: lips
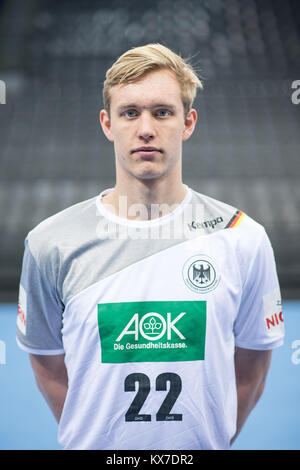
x=146, y=150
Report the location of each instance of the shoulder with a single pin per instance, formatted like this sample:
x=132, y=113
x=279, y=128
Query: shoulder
x=65, y=228
x=219, y=215
x=240, y=237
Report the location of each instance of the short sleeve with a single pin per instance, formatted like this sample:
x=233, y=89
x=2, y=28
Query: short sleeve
x=39, y=318
x=259, y=323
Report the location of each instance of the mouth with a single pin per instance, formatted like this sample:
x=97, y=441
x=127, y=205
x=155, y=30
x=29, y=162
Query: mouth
x=146, y=151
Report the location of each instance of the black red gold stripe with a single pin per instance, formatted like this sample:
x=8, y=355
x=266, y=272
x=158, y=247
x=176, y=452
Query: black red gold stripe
x=235, y=220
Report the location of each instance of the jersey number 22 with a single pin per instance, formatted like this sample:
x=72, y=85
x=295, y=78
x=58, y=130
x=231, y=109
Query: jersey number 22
x=163, y=414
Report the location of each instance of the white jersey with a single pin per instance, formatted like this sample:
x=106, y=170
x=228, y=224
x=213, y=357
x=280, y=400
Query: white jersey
x=148, y=315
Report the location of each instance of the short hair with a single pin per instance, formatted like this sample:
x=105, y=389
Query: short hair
x=138, y=61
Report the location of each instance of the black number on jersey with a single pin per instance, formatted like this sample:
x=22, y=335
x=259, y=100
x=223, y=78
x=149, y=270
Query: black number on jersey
x=143, y=391
x=163, y=414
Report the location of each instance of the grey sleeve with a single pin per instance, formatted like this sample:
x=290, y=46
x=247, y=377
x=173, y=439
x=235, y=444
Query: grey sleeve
x=39, y=319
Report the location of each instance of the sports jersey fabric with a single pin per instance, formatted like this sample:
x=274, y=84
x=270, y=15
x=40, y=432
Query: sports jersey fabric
x=148, y=315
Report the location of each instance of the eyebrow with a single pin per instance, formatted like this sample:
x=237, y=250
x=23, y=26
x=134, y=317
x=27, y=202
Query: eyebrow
x=153, y=106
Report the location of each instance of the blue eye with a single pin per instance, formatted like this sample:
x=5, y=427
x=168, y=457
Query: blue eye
x=163, y=112
x=130, y=113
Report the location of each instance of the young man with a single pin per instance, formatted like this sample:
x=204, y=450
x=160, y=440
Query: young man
x=149, y=311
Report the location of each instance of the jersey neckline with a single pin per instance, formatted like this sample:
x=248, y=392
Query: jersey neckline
x=142, y=223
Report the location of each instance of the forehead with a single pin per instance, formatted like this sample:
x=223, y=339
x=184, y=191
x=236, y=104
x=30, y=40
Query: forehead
x=158, y=86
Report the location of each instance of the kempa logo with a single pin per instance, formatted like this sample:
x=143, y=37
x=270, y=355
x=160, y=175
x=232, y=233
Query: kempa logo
x=203, y=225
x=152, y=326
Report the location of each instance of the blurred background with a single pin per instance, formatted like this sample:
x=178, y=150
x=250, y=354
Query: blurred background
x=245, y=150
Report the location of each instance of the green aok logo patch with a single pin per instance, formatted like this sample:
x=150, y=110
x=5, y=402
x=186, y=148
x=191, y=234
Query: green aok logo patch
x=152, y=331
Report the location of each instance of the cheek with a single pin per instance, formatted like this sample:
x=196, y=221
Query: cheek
x=122, y=134
x=119, y=137
x=175, y=137
x=122, y=147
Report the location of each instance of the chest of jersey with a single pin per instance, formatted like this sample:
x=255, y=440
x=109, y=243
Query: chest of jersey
x=166, y=307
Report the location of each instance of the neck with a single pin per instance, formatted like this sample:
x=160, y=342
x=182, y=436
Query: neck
x=145, y=199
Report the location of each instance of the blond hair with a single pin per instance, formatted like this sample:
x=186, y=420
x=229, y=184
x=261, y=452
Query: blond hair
x=137, y=62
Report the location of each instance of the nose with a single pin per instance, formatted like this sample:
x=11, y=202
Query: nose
x=146, y=128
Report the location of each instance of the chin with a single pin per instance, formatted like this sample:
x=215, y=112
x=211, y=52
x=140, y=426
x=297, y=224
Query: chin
x=149, y=176
x=149, y=173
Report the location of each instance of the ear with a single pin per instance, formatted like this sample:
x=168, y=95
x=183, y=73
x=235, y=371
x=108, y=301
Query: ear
x=105, y=124
x=189, y=125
